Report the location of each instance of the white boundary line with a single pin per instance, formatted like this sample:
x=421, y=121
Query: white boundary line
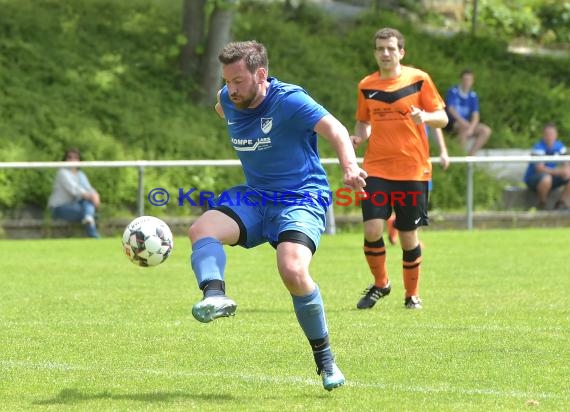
x=290, y=380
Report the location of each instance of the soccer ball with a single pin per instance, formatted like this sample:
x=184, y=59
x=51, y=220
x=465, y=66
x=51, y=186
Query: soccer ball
x=147, y=241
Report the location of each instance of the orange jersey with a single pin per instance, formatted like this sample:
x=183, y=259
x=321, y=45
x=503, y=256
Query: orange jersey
x=398, y=149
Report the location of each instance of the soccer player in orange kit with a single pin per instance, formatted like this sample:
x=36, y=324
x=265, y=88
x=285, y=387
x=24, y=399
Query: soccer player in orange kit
x=394, y=105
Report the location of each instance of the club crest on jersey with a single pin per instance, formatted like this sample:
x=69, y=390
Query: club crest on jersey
x=266, y=124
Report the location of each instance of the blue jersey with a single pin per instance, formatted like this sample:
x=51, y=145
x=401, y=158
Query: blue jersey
x=276, y=142
x=464, y=104
x=541, y=149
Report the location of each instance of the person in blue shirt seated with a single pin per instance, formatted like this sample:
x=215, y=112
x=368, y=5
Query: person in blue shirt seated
x=462, y=106
x=544, y=177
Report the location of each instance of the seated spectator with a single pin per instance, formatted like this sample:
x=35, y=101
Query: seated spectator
x=462, y=106
x=544, y=177
x=73, y=198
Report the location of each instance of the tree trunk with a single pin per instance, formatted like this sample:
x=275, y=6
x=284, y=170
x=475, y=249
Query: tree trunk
x=193, y=26
x=218, y=36
x=474, y=19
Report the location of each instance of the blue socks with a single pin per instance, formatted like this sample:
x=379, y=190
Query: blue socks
x=208, y=261
x=310, y=313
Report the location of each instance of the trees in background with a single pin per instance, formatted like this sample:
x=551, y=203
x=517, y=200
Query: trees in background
x=102, y=75
x=206, y=25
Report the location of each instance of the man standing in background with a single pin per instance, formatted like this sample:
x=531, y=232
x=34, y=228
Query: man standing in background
x=394, y=105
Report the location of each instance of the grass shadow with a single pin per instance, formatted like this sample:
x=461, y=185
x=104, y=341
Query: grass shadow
x=72, y=396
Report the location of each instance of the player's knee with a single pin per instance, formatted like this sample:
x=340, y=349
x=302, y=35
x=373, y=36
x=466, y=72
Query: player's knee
x=198, y=230
x=295, y=276
x=373, y=230
x=193, y=232
x=292, y=269
x=409, y=239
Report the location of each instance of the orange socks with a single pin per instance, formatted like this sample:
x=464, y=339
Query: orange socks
x=411, y=270
x=375, y=253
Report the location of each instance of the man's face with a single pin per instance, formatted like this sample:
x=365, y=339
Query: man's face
x=243, y=86
x=388, y=54
x=72, y=157
x=467, y=81
x=550, y=135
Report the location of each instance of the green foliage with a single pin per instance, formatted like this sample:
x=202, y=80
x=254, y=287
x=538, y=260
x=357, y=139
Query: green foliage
x=555, y=17
x=450, y=188
x=546, y=21
x=103, y=76
x=507, y=21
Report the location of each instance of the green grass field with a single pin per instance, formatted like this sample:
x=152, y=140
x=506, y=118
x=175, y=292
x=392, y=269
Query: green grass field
x=84, y=329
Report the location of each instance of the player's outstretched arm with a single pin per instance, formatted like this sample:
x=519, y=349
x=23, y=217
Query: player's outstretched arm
x=337, y=135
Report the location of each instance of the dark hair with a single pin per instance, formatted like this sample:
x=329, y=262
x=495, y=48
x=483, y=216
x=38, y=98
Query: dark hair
x=72, y=150
x=464, y=72
x=388, y=32
x=251, y=52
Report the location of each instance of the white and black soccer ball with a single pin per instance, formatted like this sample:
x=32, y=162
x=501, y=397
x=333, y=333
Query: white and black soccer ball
x=147, y=241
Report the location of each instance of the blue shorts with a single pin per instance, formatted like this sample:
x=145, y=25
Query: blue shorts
x=533, y=181
x=262, y=218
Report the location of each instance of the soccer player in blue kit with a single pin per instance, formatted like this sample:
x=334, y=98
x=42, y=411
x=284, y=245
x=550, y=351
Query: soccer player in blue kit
x=273, y=127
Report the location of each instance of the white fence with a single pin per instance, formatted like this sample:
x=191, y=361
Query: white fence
x=142, y=164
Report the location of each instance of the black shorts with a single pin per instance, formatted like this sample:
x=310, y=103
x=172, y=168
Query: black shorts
x=407, y=198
